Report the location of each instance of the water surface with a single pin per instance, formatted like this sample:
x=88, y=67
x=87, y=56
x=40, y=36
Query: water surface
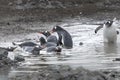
x=93, y=54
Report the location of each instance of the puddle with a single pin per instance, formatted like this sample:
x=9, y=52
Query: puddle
x=93, y=54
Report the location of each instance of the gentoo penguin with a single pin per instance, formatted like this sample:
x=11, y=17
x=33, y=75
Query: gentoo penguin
x=43, y=39
x=49, y=37
x=109, y=31
x=45, y=33
x=51, y=42
x=30, y=47
x=64, y=37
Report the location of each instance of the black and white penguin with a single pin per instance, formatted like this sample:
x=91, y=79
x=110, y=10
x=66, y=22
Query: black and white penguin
x=109, y=31
x=30, y=47
x=49, y=37
x=43, y=38
x=51, y=42
x=65, y=38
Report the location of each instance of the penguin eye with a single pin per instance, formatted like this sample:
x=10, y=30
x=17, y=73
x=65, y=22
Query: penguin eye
x=46, y=31
x=109, y=22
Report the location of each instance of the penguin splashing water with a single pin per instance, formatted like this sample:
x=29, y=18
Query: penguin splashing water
x=109, y=31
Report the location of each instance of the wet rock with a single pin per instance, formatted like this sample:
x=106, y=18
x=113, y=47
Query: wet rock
x=6, y=62
x=3, y=53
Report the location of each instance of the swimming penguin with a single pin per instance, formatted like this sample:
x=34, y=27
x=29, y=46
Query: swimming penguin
x=30, y=47
x=65, y=38
x=109, y=31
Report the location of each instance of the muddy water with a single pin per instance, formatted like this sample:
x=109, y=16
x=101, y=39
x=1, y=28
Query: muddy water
x=92, y=54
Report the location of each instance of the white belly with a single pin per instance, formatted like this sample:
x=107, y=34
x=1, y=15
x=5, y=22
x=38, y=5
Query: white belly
x=110, y=34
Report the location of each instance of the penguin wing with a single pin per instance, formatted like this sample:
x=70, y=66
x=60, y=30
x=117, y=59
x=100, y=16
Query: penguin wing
x=98, y=28
x=28, y=44
x=117, y=32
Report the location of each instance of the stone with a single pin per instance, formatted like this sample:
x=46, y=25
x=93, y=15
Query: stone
x=3, y=53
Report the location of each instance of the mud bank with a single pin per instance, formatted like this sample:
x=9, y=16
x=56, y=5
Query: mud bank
x=67, y=73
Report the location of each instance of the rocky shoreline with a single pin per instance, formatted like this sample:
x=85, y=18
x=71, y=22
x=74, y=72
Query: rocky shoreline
x=61, y=72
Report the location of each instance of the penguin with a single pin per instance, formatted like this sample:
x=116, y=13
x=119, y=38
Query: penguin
x=30, y=47
x=65, y=38
x=50, y=37
x=45, y=33
x=109, y=31
x=42, y=41
x=51, y=42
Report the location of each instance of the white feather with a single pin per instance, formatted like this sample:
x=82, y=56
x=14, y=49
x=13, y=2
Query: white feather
x=110, y=34
x=55, y=34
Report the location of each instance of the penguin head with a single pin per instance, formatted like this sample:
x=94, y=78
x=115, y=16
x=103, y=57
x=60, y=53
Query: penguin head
x=56, y=28
x=42, y=41
x=46, y=33
x=108, y=23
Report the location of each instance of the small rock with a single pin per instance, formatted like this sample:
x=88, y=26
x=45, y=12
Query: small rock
x=3, y=53
x=19, y=58
x=81, y=43
x=8, y=23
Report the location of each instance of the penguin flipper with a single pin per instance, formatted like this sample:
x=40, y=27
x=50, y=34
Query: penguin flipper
x=98, y=28
x=117, y=32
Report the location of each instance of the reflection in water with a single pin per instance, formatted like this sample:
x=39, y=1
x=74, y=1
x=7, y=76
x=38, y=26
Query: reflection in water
x=110, y=48
x=111, y=52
